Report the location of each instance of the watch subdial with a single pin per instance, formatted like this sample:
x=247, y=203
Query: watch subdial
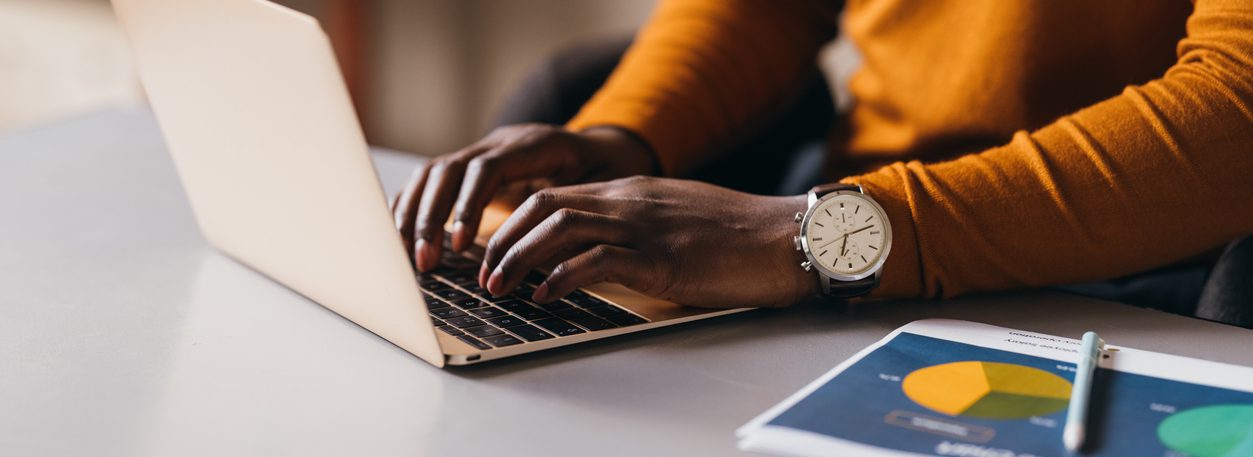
x=852, y=251
x=851, y=258
x=844, y=223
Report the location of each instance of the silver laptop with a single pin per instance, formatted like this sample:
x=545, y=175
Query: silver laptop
x=264, y=136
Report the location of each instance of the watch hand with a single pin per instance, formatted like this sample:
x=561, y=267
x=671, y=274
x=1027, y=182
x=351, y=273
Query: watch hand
x=842, y=246
x=860, y=229
x=829, y=243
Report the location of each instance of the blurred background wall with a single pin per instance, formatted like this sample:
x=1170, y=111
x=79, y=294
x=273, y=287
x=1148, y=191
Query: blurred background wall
x=59, y=58
x=427, y=75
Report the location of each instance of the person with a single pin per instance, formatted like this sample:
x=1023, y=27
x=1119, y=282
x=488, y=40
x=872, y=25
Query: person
x=1010, y=144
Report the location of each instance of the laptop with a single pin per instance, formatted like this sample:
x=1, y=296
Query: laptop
x=277, y=171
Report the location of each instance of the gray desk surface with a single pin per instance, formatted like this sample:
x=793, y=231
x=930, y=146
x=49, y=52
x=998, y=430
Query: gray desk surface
x=122, y=333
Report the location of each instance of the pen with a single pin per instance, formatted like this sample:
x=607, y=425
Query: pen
x=1081, y=393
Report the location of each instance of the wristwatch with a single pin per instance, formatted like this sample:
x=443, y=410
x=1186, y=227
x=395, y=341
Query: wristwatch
x=845, y=236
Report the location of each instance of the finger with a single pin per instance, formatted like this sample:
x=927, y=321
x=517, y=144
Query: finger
x=405, y=207
x=533, y=211
x=486, y=173
x=564, y=229
x=602, y=263
x=442, y=183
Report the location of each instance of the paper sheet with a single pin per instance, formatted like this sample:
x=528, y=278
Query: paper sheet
x=956, y=388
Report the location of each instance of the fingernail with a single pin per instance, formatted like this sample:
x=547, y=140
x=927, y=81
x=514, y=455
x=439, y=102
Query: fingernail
x=494, y=283
x=458, y=235
x=420, y=253
x=541, y=292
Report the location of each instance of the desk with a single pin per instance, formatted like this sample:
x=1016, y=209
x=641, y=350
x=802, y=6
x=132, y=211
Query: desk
x=122, y=333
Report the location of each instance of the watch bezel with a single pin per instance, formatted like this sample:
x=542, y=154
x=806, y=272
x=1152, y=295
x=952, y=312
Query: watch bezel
x=827, y=272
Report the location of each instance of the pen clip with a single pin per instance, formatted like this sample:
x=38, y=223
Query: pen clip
x=1107, y=352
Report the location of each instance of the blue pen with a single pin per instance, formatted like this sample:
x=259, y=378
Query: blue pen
x=1081, y=392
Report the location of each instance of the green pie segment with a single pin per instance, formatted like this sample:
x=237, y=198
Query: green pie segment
x=1210, y=431
x=997, y=405
x=987, y=390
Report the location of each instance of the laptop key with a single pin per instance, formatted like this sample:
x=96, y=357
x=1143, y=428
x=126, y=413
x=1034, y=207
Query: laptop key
x=450, y=295
x=558, y=327
x=454, y=331
x=487, y=312
x=513, y=305
x=465, y=321
x=482, y=331
x=470, y=303
x=502, y=340
x=506, y=321
x=533, y=313
x=606, y=311
x=571, y=313
x=475, y=289
x=473, y=342
x=457, y=264
x=462, y=277
x=447, y=313
x=527, y=312
x=593, y=323
x=585, y=301
x=434, y=303
x=583, y=319
x=466, y=282
x=624, y=320
x=554, y=306
x=529, y=332
x=525, y=291
x=430, y=283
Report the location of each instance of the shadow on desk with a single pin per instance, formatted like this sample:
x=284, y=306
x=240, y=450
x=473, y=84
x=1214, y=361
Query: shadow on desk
x=795, y=330
x=740, y=328
x=1032, y=310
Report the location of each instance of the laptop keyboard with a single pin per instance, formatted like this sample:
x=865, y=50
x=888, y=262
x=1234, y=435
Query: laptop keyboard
x=459, y=307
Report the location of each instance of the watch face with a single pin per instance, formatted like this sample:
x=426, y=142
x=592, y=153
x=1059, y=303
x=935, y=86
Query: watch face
x=847, y=234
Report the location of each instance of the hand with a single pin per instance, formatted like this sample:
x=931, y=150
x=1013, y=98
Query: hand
x=683, y=241
x=464, y=182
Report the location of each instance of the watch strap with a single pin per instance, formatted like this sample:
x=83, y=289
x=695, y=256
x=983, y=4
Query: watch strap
x=824, y=189
x=848, y=289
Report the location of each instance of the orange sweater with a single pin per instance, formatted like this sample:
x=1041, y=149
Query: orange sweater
x=1091, y=139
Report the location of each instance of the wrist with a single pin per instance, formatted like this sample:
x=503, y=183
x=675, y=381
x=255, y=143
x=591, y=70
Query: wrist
x=618, y=153
x=801, y=284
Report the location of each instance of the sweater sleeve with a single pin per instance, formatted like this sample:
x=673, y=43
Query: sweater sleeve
x=702, y=71
x=1157, y=174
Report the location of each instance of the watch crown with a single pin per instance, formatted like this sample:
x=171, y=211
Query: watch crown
x=806, y=265
x=799, y=216
x=797, y=241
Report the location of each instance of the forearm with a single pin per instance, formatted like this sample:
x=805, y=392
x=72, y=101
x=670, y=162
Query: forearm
x=702, y=71
x=1147, y=178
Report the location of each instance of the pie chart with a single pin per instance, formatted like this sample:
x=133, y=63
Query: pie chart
x=987, y=390
x=1210, y=431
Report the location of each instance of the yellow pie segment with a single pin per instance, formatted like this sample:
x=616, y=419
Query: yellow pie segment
x=949, y=388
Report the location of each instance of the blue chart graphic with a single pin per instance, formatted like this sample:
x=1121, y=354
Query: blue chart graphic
x=1134, y=415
